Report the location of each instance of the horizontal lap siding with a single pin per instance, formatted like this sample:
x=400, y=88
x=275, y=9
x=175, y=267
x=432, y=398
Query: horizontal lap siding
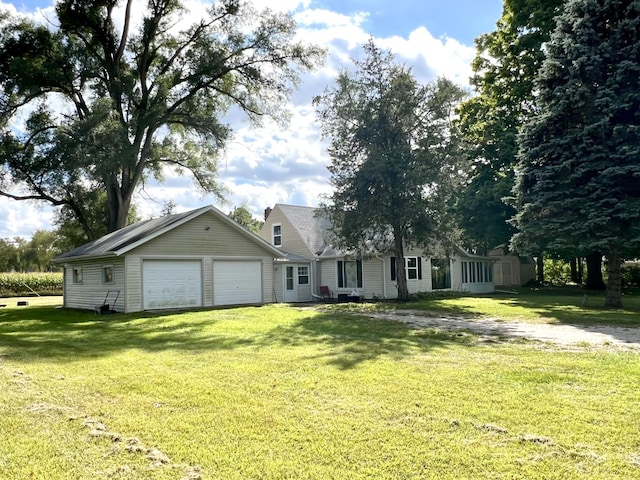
x=268, y=280
x=92, y=291
x=329, y=275
x=372, y=278
x=134, y=283
x=204, y=235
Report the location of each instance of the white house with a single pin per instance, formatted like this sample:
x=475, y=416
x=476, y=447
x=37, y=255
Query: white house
x=309, y=262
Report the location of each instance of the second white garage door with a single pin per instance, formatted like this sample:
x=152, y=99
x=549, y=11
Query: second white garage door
x=237, y=283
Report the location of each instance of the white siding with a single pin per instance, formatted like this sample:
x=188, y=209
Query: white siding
x=291, y=239
x=92, y=291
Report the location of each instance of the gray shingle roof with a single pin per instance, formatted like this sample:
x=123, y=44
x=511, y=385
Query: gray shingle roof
x=113, y=243
x=312, y=227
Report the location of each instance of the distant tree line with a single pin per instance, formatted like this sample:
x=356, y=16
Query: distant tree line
x=35, y=255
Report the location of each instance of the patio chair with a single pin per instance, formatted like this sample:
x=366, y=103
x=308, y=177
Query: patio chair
x=325, y=293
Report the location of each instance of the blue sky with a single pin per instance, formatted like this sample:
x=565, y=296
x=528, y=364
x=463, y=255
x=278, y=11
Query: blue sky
x=267, y=165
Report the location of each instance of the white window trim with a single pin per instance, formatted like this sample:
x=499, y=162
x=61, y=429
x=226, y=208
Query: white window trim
x=407, y=268
x=113, y=274
x=75, y=277
x=303, y=275
x=273, y=235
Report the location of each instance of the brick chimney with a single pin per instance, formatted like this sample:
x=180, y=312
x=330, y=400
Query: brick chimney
x=267, y=212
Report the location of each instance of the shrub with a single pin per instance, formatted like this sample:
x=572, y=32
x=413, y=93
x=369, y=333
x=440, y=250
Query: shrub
x=16, y=284
x=631, y=274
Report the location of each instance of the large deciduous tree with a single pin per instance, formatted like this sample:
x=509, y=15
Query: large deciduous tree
x=579, y=167
x=393, y=158
x=505, y=66
x=110, y=97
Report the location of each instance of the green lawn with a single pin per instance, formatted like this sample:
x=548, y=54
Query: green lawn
x=539, y=305
x=277, y=392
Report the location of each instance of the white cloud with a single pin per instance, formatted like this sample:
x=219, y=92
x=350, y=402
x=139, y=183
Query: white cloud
x=266, y=165
x=23, y=219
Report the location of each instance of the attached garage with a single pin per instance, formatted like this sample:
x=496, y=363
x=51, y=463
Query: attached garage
x=237, y=282
x=200, y=258
x=171, y=284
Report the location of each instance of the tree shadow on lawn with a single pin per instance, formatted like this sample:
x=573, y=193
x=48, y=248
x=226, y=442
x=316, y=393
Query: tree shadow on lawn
x=44, y=333
x=558, y=304
x=554, y=305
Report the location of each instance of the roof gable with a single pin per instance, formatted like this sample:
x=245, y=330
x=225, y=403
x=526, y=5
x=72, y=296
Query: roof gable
x=311, y=226
x=130, y=237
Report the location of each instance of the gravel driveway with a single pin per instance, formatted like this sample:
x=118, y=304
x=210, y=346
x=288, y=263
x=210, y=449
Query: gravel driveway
x=563, y=335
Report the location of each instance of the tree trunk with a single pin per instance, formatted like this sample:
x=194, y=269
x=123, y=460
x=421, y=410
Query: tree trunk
x=574, y=270
x=119, y=206
x=540, y=269
x=580, y=270
x=613, y=298
x=401, y=276
x=594, y=272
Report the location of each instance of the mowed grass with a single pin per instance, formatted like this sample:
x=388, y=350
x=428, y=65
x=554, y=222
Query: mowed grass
x=278, y=392
x=536, y=305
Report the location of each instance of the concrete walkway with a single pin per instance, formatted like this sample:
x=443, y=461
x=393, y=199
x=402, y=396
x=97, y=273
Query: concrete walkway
x=564, y=335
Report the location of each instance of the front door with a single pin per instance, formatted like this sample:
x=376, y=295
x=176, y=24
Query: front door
x=290, y=289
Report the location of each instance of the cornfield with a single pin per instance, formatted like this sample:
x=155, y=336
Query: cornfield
x=15, y=284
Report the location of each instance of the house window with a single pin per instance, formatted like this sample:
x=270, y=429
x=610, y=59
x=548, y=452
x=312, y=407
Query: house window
x=277, y=235
x=412, y=268
x=350, y=274
x=107, y=274
x=480, y=272
x=472, y=272
x=440, y=273
x=303, y=275
x=77, y=275
x=465, y=272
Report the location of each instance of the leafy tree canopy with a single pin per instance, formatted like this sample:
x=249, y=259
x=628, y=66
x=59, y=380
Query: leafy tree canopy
x=109, y=101
x=505, y=67
x=393, y=157
x=243, y=216
x=579, y=168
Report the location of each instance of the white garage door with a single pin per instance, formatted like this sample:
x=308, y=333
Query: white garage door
x=171, y=284
x=236, y=283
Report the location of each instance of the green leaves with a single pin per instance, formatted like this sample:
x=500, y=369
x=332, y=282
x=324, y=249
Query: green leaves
x=127, y=103
x=393, y=152
x=579, y=161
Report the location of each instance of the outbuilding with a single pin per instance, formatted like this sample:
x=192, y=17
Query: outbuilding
x=200, y=258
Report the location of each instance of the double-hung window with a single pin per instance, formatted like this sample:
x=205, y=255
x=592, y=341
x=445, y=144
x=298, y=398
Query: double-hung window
x=277, y=235
x=303, y=275
x=412, y=268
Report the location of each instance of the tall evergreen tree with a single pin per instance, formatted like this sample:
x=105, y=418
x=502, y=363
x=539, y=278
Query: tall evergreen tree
x=393, y=157
x=505, y=66
x=579, y=169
